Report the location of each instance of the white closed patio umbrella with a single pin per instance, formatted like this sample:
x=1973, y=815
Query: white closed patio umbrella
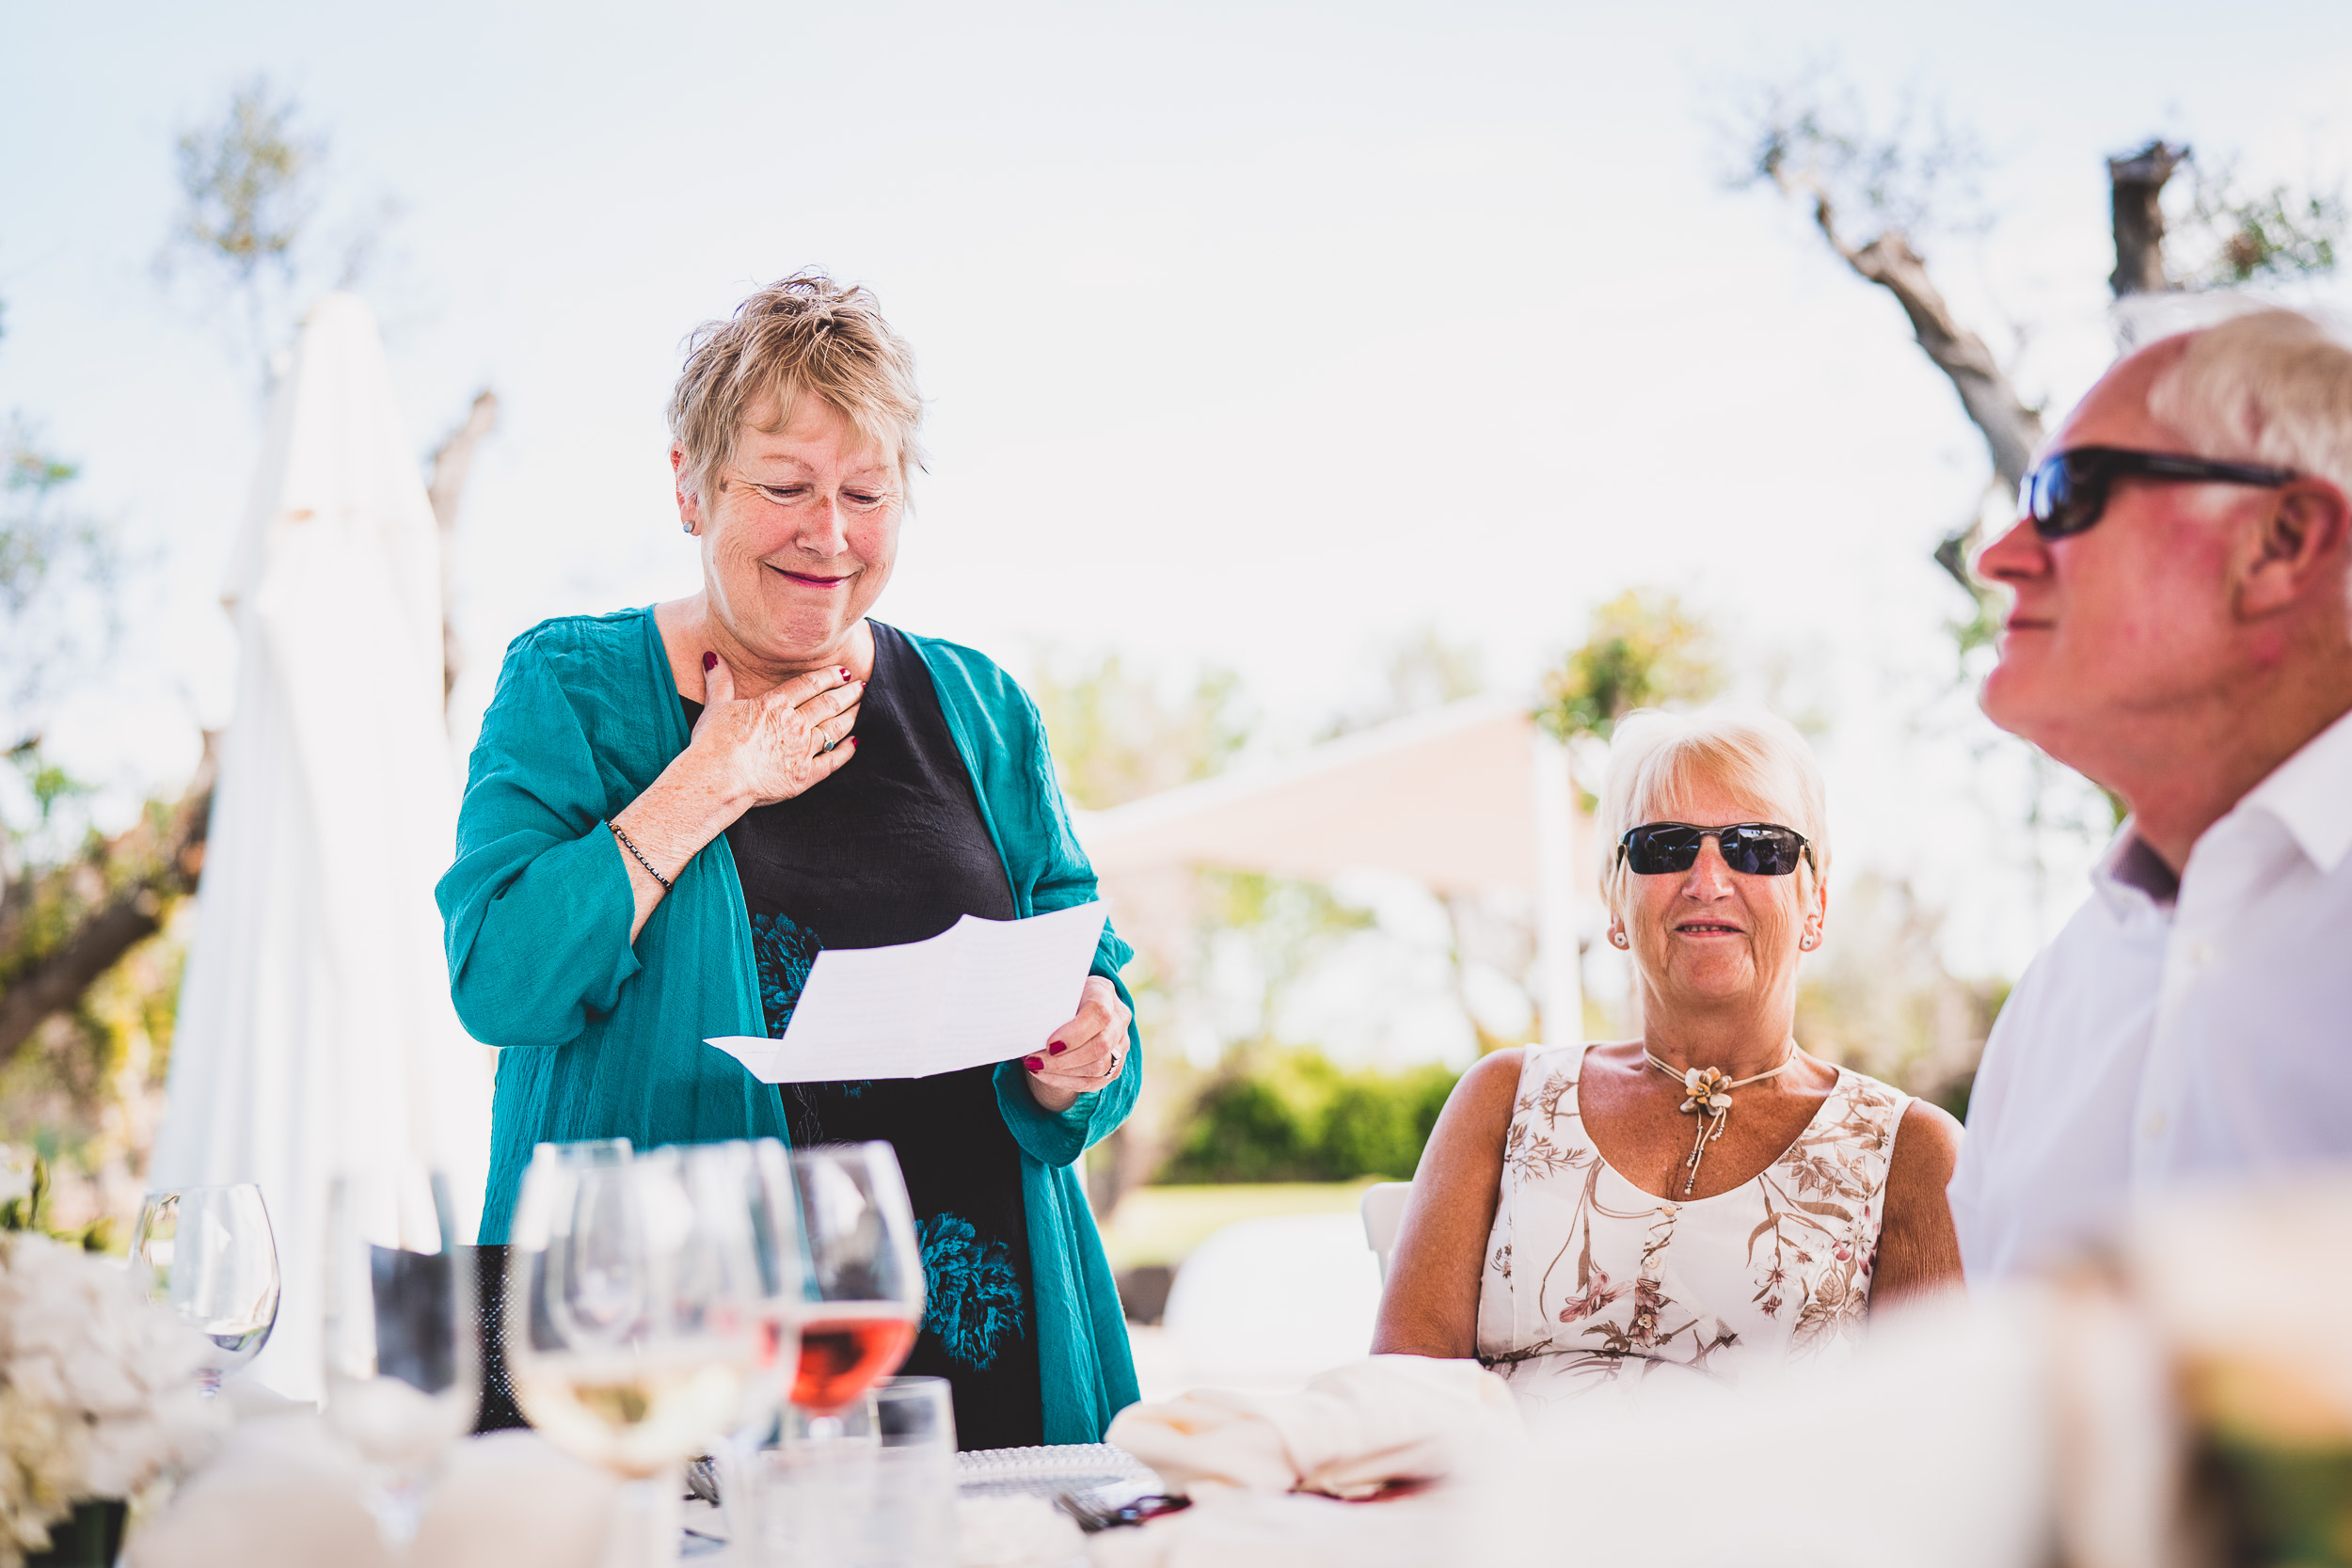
x=315, y=1031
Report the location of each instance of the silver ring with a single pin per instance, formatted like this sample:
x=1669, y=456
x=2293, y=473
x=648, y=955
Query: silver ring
x=828, y=746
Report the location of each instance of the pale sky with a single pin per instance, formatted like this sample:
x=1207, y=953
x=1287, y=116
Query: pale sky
x=1254, y=335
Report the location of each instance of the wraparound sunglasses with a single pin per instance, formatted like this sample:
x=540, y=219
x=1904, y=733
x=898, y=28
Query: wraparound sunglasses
x=2068, y=492
x=1752, y=849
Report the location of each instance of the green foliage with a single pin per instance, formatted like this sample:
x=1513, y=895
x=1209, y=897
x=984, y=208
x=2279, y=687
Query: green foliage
x=1913, y=174
x=1286, y=926
x=1116, y=736
x=29, y=1211
x=1419, y=671
x=2273, y=234
x=1292, y=1116
x=1879, y=998
x=57, y=570
x=1644, y=651
x=249, y=199
x=245, y=185
x=1299, y=919
x=46, y=782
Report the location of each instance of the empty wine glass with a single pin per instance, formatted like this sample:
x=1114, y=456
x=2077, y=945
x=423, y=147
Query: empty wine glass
x=633, y=1322
x=403, y=1369
x=209, y=1255
x=757, y=1176
x=864, y=1289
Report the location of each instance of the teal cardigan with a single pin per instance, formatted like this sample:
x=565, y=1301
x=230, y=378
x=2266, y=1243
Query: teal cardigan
x=600, y=1037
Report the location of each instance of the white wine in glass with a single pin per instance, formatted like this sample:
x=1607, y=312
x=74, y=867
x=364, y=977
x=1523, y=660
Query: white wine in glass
x=633, y=1322
x=208, y=1254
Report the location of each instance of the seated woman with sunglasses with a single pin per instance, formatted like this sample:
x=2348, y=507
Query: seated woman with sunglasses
x=1706, y=1197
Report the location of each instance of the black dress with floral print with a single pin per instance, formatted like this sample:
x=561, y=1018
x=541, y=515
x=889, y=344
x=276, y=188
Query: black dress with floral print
x=893, y=848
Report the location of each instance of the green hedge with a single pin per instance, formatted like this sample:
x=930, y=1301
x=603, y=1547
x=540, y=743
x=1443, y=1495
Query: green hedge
x=1294, y=1116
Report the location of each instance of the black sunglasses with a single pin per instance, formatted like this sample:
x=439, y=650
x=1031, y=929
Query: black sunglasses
x=2068, y=492
x=1752, y=849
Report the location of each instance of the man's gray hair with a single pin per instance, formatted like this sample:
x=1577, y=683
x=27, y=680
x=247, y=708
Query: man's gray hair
x=2272, y=387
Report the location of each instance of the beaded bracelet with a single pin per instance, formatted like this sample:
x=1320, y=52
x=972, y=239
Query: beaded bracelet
x=631, y=846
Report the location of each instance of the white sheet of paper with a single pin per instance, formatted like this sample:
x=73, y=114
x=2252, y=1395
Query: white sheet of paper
x=982, y=991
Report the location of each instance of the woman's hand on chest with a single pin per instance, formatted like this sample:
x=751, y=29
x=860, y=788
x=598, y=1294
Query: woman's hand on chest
x=757, y=751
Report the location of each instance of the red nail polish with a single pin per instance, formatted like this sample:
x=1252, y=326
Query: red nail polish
x=852, y=743
x=1057, y=1048
x=845, y=671
x=1034, y=1065
x=711, y=661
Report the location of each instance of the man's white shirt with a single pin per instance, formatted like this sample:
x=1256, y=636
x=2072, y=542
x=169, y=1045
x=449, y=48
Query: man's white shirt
x=2154, y=1043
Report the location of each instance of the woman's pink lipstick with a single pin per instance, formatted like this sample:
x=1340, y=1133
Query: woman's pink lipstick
x=809, y=581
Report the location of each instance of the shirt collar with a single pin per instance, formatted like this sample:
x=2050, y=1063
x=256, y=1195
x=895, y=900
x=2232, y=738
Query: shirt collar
x=2310, y=793
x=2130, y=877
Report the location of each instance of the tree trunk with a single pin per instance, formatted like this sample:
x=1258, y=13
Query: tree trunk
x=451, y=465
x=2011, y=428
x=168, y=864
x=2138, y=182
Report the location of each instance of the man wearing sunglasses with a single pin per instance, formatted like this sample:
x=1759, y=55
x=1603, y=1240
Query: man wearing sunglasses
x=2179, y=631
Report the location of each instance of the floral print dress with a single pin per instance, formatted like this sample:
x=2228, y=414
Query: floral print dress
x=1588, y=1279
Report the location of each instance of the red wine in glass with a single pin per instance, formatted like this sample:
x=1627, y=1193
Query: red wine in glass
x=846, y=1349
x=863, y=1289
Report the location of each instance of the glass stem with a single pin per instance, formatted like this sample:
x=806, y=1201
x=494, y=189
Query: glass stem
x=648, y=1518
x=398, y=1500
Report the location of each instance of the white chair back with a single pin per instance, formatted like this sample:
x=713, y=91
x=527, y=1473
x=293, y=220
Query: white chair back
x=1383, y=1209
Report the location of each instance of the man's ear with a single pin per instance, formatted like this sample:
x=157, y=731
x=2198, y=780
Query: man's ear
x=2299, y=543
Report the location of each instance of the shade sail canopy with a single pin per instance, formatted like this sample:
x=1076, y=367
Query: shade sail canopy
x=315, y=1031
x=1448, y=798
x=1467, y=799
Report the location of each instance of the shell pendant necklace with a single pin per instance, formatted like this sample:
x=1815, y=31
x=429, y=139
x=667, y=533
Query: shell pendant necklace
x=1710, y=1101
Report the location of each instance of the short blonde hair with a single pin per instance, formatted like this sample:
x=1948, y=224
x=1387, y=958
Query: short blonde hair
x=1654, y=757
x=2269, y=386
x=804, y=336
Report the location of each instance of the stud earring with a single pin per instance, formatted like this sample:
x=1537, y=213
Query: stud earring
x=1809, y=942
x=688, y=526
x=1618, y=938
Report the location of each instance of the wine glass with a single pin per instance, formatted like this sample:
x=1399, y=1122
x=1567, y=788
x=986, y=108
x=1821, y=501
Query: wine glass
x=633, y=1322
x=756, y=1175
x=863, y=1286
x=208, y=1254
x=401, y=1365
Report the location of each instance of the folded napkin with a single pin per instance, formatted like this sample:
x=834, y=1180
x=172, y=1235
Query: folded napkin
x=1386, y=1418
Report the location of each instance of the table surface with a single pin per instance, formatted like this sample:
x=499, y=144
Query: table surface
x=1043, y=1472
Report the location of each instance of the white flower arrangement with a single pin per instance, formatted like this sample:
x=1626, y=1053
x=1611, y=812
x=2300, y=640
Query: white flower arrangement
x=98, y=1390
